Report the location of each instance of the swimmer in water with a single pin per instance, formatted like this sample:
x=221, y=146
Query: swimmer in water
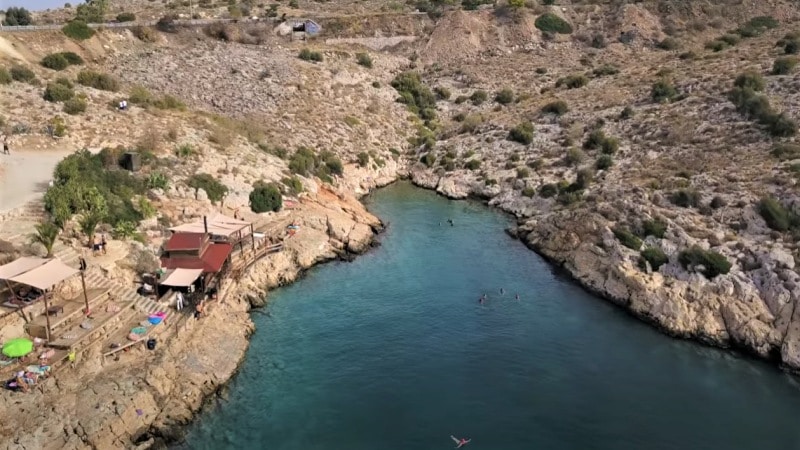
x=460, y=442
x=502, y=291
x=517, y=297
x=480, y=300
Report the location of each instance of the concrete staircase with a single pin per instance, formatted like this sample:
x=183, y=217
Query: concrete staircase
x=95, y=278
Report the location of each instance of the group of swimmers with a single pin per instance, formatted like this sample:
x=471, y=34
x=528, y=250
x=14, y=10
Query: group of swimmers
x=483, y=298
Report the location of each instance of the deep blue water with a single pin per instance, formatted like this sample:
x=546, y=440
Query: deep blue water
x=393, y=351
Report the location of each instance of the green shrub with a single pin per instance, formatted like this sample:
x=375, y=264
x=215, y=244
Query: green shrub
x=668, y=43
x=308, y=55
x=55, y=61
x=574, y=156
x=663, y=91
x=605, y=70
x=776, y=216
x=504, y=97
x=5, y=77
x=653, y=255
x=75, y=106
x=363, y=159
x=730, y=39
x=471, y=123
x=265, y=197
x=573, y=81
x=713, y=263
x=567, y=198
x=101, y=81
x=442, y=93
x=126, y=17
x=22, y=74
x=413, y=92
x=686, y=198
x=528, y=192
x=157, y=180
x=595, y=139
x=609, y=146
x=478, y=97
x=626, y=113
x=522, y=133
x=784, y=65
x=523, y=172
x=763, y=22
x=473, y=164
x=77, y=30
x=548, y=190
x=293, y=185
x=17, y=17
x=604, y=162
x=655, y=227
x=428, y=159
x=780, y=125
x=792, y=47
x=215, y=190
x=56, y=92
x=72, y=58
x=558, y=107
x=168, y=102
x=750, y=80
x=627, y=238
x=552, y=23
x=363, y=59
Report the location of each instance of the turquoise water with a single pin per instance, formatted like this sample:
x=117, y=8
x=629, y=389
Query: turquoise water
x=393, y=351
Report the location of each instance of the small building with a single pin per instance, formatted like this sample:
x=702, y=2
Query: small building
x=195, y=251
x=298, y=28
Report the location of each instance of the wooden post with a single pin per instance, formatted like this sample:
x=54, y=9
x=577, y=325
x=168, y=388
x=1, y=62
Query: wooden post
x=85, y=296
x=252, y=238
x=47, y=317
x=13, y=294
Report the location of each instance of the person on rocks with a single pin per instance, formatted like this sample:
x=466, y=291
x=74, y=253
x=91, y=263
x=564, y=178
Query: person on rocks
x=6, y=151
x=199, y=309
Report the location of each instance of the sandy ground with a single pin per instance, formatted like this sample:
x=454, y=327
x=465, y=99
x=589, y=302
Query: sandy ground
x=24, y=175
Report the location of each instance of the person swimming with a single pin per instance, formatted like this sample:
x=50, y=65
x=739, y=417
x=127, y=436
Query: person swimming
x=502, y=291
x=460, y=442
x=517, y=297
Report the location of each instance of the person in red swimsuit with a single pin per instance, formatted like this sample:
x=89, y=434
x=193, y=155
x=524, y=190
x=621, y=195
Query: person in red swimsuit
x=460, y=442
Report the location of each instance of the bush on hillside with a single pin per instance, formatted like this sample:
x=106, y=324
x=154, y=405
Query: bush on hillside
x=478, y=97
x=5, y=77
x=145, y=34
x=604, y=162
x=668, y=43
x=784, y=65
x=92, y=11
x=663, y=91
x=653, y=255
x=605, y=70
x=780, y=125
x=573, y=81
x=101, y=81
x=265, y=197
x=655, y=227
x=77, y=30
x=57, y=92
x=504, y=97
x=23, y=74
x=551, y=23
x=776, y=216
x=363, y=59
x=363, y=159
x=17, y=17
x=712, y=263
x=293, y=185
x=126, y=17
x=522, y=133
x=750, y=80
x=473, y=164
x=55, y=61
x=309, y=55
x=75, y=106
x=558, y=107
x=215, y=190
x=595, y=139
x=686, y=198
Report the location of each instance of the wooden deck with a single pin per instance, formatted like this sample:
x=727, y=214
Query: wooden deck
x=72, y=308
x=245, y=259
x=74, y=334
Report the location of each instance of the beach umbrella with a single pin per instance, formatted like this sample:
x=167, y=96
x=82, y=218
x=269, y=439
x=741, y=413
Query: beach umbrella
x=16, y=348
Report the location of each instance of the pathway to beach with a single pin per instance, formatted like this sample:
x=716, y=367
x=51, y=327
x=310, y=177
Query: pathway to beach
x=25, y=174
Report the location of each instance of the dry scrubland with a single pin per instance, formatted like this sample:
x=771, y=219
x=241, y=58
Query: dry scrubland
x=648, y=147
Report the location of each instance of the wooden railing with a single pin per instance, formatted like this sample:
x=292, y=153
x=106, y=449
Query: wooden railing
x=247, y=258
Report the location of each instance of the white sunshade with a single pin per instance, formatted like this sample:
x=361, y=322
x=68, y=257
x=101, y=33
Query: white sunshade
x=182, y=277
x=46, y=275
x=20, y=266
x=219, y=225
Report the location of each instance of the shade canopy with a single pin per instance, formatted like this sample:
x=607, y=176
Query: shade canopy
x=17, y=348
x=182, y=277
x=219, y=225
x=20, y=266
x=45, y=276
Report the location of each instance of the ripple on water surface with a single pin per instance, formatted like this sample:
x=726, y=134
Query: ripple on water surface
x=392, y=351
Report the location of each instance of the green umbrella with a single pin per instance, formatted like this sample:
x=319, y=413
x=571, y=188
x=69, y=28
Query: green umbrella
x=18, y=347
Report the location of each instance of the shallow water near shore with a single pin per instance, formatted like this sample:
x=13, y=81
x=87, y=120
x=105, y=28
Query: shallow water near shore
x=393, y=351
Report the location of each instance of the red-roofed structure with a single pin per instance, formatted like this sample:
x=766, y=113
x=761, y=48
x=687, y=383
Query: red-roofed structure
x=185, y=242
x=211, y=260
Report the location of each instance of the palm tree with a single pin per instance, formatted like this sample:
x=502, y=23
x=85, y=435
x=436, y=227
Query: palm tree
x=88, y=224
x=46, y=234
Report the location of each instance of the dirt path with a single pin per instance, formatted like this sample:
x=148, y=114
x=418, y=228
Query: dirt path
x=8, y=50
x=24, y=175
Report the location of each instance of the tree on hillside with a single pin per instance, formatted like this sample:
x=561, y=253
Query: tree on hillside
x=46, y=234
x=93, y=11
x=265, y=197
x=17, y=16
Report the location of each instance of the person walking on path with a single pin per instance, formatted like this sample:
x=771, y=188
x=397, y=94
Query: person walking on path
x=179, y=301
x=6, y=151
